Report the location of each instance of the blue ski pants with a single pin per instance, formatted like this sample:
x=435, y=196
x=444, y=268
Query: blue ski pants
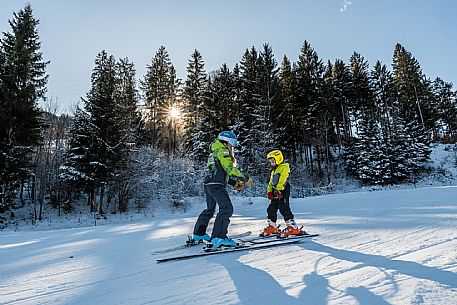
x=215, y=194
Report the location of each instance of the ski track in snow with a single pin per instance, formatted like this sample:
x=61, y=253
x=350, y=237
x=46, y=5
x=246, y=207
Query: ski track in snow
x=384, y=247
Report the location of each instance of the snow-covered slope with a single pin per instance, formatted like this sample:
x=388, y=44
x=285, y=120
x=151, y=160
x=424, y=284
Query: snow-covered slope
x=382, y=247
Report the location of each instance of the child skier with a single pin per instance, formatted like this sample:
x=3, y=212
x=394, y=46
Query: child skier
x=222, y=171
x=278, y=192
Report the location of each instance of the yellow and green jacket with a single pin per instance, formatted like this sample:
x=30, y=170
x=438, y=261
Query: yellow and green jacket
x=221, y=166
x=278, y=178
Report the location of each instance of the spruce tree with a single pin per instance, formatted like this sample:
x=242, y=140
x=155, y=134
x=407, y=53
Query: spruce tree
x=288, y=87
x=127, y=102
x=342, y=99
x=400, y=150
x=381, y=86
x=268, y=121
x=158, y=89
x=77, y=172
x=218, y=111
x=309, y=72
x=97, y=135
x=446, y=108
x=195, y=86
x=412, y=92
x=104, y=132
x=101, y=105
x=361, y=94
x=249, y=101
x=194, y=94
x=411, y=88
x=372, y=161
x=23, y=82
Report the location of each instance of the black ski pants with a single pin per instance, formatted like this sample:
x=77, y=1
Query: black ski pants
x=215, y=194
x=283, y=205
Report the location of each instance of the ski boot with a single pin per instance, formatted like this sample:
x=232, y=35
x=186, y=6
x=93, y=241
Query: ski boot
x=270, y=229
x=217, y=242
x=291, y=229
x=198, y=239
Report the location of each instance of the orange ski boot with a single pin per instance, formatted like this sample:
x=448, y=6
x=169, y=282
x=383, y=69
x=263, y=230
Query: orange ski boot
x=270, y=229
x=292, y=229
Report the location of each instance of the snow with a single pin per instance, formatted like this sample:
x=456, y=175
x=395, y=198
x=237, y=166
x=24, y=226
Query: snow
x=380, y=247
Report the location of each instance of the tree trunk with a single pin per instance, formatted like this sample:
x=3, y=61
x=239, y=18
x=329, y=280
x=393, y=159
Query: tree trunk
x=311, y=160
x=319, y=165
x=41, y=200
x=102, y=195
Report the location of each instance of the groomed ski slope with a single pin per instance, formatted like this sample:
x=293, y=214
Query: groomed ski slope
x=381, y=247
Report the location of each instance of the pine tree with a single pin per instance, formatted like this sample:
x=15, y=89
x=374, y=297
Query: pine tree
x=413, y=95
x=102, y=135
x=309, y=72
x=102, y=107
x=77, y=172
x=381, y=86
x=361, y=96
x=22, y=85
x=249, y=101
x=194, y=93
x=195, y=86
x=288, y=87
x=268, y=123
x=127, y=102
x=400, y=150
x=341, y=103
x=237, y=110
x=218, y=111
x=410, y=87
x=446, y=108
x=372, y=161
x=158, y=87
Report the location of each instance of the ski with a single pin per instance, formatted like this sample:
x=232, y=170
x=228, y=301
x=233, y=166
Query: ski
x=241, y=247
x=267, y=239
x=189, y=243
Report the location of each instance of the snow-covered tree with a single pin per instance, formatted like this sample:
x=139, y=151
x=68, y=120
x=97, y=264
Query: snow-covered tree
x=127, y=102
x=446, y=108
x=268, y=123
x=194, y=91
x=103, y=134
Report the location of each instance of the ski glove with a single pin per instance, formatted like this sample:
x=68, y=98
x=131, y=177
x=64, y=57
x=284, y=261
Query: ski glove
x=270, y=195
x=279, y=195
x=238, y=186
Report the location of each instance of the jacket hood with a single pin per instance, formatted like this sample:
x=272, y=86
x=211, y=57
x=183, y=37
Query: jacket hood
x=217, y=145
x=286, y=165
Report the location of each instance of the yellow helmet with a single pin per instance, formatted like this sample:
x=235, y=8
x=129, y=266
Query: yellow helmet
x=277, y=155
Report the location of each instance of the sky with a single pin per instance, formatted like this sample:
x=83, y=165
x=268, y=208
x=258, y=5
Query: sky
x=72, y=33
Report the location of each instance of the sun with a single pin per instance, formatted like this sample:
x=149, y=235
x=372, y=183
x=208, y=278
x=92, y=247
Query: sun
x=175, y=113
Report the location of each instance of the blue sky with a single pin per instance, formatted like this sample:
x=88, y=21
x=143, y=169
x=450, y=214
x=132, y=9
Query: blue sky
x=74, y=32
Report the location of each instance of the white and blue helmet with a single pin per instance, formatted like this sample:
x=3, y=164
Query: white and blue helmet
x=228, y=137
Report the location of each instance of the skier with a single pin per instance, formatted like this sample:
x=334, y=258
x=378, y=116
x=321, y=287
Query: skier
x=278, y=192
x=222, y=171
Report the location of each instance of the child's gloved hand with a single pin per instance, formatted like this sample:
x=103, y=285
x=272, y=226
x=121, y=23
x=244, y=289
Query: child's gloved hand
x=270, y=195
x=279, y=195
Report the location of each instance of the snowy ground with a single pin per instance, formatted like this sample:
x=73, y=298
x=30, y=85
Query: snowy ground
x=381, y=247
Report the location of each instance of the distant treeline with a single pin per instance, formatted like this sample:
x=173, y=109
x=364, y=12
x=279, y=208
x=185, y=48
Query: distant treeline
x=136, y=141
